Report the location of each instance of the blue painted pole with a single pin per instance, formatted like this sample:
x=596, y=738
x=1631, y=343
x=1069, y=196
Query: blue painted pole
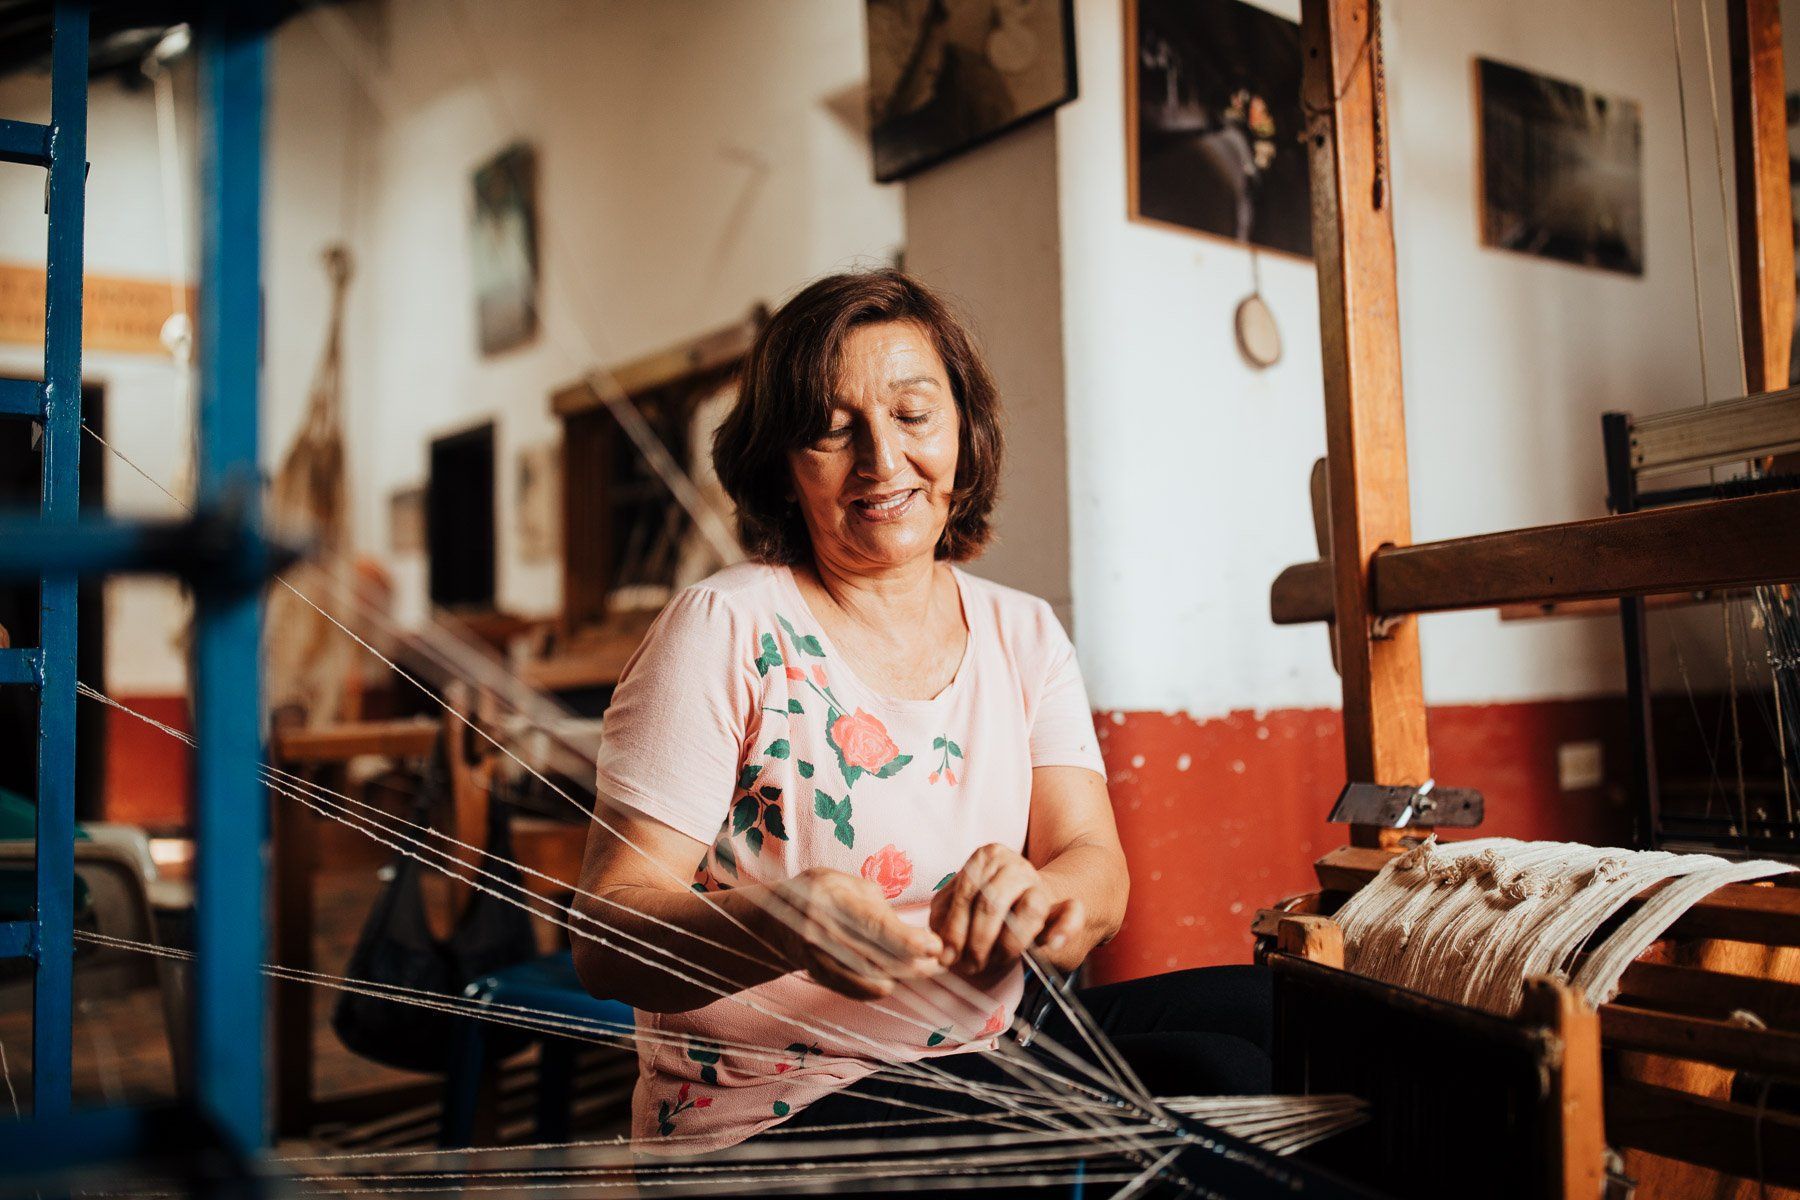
x=52, y=994
x=230, y=814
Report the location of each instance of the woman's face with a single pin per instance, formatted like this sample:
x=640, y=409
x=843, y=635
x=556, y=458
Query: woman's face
x=875, y=490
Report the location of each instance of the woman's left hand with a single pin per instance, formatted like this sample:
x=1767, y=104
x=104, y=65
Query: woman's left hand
x=994, y=909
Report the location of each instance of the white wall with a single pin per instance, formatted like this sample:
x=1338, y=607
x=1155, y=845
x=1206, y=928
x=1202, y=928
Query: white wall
x=983, y=228
x=1188, y=485
x=689, y=167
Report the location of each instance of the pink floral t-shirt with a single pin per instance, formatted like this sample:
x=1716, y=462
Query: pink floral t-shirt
x=737, y=723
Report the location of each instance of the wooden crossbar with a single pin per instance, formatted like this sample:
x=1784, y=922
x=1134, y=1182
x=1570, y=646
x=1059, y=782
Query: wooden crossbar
x=1720, y=544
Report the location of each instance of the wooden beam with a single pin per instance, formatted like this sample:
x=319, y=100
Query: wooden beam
x=718, y=350
x=1365, y=426
x=1577, y=1159
x=1764, y=195
x=408, y=738
x=1712, y=993
x=1687, y=548
x=1738, y=1139
x=1723, y=1043
x=1710, y=435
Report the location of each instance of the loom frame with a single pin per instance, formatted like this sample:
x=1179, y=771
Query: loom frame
x=222, y=553
x=1375, y=581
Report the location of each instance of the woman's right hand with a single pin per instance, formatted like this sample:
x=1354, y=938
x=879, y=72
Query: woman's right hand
x=840, y=929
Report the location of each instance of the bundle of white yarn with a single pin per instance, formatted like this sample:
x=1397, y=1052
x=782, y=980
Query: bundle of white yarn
x=1471, y=921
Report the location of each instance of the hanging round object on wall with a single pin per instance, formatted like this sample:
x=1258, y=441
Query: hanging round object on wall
x=1258, y=337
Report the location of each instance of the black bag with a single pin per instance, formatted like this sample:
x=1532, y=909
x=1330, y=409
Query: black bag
x=397, y=948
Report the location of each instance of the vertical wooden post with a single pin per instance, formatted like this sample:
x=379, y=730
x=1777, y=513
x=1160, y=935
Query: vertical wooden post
x=1365, y=425
x=1577, y=1163
x=1764, y=201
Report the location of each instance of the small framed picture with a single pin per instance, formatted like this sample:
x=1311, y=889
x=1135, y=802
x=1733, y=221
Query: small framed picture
x=948, y=75
x=503, y=244
x=1562, y=170
x=1216, y=139
x=406, y=520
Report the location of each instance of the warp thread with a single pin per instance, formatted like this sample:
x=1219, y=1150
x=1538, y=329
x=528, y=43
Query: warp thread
x=1471, y=921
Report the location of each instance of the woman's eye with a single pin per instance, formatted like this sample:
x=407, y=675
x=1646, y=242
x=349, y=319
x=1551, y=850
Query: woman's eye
x=833, y=435
x=916, y=418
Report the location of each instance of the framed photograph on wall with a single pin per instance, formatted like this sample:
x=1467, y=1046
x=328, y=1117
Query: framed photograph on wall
x=948, y=75
x=504, y=250
x=1215, y=138
x=1562, y=170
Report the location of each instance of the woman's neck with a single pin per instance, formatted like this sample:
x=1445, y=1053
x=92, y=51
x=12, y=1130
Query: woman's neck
x=898, y=597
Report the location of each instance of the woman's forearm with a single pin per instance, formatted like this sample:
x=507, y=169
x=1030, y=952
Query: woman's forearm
x=1096, y=875
x=669, y=951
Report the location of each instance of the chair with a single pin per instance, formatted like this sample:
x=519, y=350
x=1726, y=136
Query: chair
x=548, y=985
x=121, y=895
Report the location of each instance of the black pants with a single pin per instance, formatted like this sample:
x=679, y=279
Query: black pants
x=1202, y=1032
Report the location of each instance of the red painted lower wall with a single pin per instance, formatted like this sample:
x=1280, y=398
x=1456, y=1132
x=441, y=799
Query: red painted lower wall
x=1221, y=817
x=147, y=771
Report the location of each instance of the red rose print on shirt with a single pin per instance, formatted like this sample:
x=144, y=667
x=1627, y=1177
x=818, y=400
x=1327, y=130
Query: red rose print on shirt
x=890, y=869
x=994, y=1025
x=864, y=741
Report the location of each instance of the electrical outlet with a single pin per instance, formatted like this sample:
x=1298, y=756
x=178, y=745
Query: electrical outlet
x=1579, y=766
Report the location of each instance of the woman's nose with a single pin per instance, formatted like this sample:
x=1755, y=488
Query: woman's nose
x=879, y=455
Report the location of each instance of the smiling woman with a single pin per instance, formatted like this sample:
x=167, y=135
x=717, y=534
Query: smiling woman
x=859, y=786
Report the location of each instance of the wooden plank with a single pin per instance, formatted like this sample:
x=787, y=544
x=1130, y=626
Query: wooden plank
x=1314, y=938
x=718, y=350
x=339, y=743
x=1724, y=1043
x=1764, y=194
x=1741, y=912
x=1302, y=594
x=1732, y=431
x=1738, y=1139
x=594, y=660
x=1714, y=545
x=1577, y=1155
x=1712, y=993
x=1365, y=425
x=1610, y=607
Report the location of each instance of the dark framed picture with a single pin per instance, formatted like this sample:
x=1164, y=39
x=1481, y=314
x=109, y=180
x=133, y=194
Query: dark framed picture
x=947, y=75
x=503, y=246
x=1562, y=170
x=1216, y=139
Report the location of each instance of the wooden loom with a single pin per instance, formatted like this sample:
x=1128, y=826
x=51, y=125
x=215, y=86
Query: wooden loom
x=1466, y=1102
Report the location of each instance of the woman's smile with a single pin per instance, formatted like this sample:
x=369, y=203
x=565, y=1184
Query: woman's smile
x=888, y=506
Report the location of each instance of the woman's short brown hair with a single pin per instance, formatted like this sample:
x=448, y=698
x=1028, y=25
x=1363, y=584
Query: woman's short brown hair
x=784, y=402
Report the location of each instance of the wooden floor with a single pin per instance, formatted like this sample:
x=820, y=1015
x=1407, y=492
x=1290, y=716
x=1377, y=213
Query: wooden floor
x=122, y=1051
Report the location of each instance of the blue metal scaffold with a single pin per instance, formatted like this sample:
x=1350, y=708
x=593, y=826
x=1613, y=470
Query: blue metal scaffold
x=220, y=552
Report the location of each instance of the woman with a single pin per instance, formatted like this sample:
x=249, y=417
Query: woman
x=850, y=785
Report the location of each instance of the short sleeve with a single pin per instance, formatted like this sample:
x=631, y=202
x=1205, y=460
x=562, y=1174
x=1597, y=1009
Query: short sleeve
x=674, y=734
x=1062, y=723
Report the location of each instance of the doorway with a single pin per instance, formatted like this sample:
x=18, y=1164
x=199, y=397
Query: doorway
x=21, y=475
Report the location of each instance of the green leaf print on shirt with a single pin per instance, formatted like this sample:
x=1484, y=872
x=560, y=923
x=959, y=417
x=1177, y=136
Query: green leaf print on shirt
x=838, y=813
x=756, y=815
x=707, y=1055
x=806, y=644
x=770, y=656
